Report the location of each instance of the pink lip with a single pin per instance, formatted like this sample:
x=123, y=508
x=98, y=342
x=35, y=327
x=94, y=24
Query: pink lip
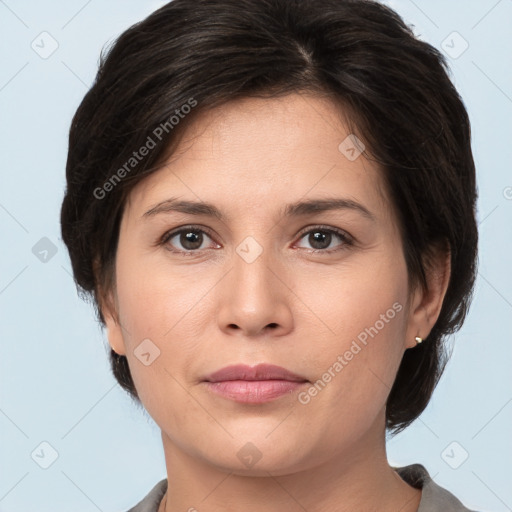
x=258, y=372
x=257, y=384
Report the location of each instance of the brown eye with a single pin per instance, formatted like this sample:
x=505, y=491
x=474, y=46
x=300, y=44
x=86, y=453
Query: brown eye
x=321, y=238
x=191, y=240
x=185, y=240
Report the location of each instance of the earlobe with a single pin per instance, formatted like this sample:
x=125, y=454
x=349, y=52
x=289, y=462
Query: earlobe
x=428, y=301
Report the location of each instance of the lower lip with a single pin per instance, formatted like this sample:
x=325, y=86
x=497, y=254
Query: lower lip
x=254, y=391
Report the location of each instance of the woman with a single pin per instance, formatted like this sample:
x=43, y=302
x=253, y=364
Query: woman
x=272, y=203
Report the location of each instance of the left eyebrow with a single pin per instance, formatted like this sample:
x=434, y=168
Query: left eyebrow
x=300, y=208
x=322, y=205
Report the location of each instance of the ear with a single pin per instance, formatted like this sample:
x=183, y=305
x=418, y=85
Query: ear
x=113, y=325
x=109, y=310
x=426, y=303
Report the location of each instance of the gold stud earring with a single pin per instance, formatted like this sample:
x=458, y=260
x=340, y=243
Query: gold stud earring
x=418, y=340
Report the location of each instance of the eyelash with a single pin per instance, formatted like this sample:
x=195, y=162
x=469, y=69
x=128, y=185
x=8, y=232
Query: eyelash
x=346, y=239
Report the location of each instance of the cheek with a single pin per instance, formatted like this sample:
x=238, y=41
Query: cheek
x=361, y=314
x=169, y=307
x=366, y=295
x=155, y=299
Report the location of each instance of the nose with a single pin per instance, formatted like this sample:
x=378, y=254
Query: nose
x=255, y=298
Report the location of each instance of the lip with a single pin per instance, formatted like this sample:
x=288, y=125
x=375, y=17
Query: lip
x=251, y=373
x=258, y=384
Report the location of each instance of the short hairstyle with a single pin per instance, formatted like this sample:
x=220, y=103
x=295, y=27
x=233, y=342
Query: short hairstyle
x=190, y=56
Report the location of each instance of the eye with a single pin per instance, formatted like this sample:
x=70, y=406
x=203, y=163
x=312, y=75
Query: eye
x=190, y=238
x=320, y=238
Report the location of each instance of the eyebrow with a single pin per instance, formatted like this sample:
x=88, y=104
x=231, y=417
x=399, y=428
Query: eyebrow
x=300, y=208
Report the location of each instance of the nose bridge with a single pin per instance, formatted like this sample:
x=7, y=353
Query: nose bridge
x=255, y=298
x=253, y=272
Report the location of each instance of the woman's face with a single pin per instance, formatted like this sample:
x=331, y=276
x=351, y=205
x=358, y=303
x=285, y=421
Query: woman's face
x=245, y=287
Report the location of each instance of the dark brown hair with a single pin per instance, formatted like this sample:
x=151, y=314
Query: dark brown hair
x=193, y=55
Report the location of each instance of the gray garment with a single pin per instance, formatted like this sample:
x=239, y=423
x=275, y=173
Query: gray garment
x=433, y=497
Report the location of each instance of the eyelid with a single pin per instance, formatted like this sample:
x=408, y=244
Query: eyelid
x=320, y=227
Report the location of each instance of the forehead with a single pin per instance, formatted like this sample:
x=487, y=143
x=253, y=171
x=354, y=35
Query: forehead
x=256, y=152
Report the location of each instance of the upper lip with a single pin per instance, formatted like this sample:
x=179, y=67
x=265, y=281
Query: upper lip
x=258, y=372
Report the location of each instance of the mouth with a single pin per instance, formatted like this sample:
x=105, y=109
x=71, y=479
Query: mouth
x=254, y=373
x=258, y=384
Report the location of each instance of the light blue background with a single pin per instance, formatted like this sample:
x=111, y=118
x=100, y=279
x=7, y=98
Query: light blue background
x=56, y=384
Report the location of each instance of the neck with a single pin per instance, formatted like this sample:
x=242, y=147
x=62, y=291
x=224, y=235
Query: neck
x=356, y=478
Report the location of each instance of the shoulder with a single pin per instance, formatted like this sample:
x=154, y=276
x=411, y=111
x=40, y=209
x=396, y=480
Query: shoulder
x=434, y=498
x=151, y=501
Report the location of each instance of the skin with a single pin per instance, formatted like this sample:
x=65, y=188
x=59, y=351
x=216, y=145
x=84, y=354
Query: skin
x=290, y=307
